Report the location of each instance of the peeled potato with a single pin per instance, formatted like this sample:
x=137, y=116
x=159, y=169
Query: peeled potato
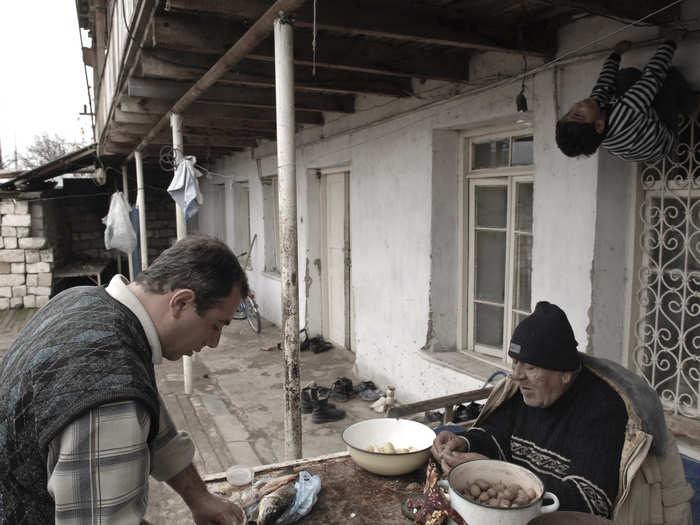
x=474, y=490
x=483, y=484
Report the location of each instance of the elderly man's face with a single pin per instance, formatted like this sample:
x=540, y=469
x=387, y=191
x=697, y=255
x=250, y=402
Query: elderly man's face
x=540, y=387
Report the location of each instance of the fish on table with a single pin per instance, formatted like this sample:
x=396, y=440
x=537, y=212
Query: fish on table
x=273, y=505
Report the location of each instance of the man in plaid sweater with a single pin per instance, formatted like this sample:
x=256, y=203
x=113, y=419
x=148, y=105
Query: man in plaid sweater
x=632, y=114
x=81, y=422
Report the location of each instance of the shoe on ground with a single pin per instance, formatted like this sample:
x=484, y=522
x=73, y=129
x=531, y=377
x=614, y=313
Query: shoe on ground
x=341, y=390
x=325, y=412
x=371, y=394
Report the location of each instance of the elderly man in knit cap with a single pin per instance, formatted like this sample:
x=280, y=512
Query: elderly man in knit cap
x=593, y=431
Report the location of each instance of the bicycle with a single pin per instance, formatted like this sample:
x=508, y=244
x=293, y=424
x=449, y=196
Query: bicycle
x=248, y=309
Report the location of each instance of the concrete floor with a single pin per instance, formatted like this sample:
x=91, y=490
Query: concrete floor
x=235, y=414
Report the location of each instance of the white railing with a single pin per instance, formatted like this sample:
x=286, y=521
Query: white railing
x=122, y=19
x=667, y=351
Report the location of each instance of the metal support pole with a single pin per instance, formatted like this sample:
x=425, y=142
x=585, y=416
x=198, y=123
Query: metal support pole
x=125, y=187
x=141, y=203
x=181, y=226
x=286, y=170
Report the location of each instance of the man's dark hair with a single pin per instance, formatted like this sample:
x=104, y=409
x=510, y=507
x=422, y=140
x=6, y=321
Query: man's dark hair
x=201, y=263
x=578, y=138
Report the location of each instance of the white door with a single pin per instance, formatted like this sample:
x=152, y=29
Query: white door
x=336, y=258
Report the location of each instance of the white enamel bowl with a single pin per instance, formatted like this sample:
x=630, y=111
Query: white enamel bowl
x=402, y=433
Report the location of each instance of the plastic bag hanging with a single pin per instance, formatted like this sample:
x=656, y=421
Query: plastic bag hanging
x=119, y=233
x=184, y=188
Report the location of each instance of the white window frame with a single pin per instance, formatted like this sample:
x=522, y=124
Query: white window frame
x=469, y=181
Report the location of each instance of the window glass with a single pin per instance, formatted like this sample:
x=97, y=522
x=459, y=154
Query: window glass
x=523, y=206
x=522, y=290
x=493, y=154
x=490, y=265
x=522, y=151
x=491, y=206
x=489, y=325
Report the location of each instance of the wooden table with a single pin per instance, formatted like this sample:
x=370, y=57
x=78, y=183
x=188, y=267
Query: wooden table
x=348, y=494
x=91, y=270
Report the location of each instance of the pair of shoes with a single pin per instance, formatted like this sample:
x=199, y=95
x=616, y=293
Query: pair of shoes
x=315, y=344
x=341, y=390
x=466, y=413
x=371, y=394
x=433, y=417
x=364, y=385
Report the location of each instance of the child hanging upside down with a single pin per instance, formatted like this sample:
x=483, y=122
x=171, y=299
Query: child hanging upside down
x=632, y=114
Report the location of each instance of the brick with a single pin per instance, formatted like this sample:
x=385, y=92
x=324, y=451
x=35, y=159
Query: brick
x=21, y=207
x=10, y=243
x=40, y=267
x=45, y=279
x=32, y=279
x=7, y=206
x=18, y=268
x=23, y=219
x=42, y=300
x=46, y=255
x=4, y=304
x=11, y=255
x=32, y=243
x=19, y=291
x=8, y=231
x=5, y=291
x=22, y=231
x=11, y=279
x=16, y=302
x=39, y=290
x=5, y=267
x=2, y=243
x=32, y=256
x=29, y=301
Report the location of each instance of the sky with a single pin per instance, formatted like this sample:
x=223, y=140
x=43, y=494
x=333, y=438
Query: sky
x=42, y=84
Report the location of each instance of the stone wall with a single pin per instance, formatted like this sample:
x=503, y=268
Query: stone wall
x=26, y=260
x=160, y=222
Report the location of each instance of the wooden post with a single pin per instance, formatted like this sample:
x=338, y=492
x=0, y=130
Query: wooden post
x=141, y=203
x=99, y=45
x=125, y=188
x=181, y=225
x=286, y=170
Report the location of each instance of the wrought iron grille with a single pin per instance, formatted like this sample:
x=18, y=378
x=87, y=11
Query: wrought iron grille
x=667, y=350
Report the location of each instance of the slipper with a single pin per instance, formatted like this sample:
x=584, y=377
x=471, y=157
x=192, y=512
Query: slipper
x=371, y=394
x=364, y=385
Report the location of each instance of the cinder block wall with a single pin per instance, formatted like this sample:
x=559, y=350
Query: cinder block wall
x=26, y=259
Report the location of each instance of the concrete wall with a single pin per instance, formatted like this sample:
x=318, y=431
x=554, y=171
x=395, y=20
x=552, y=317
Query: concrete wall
x=403, y=159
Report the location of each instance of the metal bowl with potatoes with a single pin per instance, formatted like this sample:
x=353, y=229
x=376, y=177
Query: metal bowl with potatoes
x=389, y=447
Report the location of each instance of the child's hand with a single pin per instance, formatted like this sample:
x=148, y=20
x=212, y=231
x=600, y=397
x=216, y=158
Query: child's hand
x=622, y=47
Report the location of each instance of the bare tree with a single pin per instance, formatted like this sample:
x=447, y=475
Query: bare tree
x=46, y=148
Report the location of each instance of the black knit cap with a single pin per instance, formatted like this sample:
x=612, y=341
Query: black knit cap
x=545, y=339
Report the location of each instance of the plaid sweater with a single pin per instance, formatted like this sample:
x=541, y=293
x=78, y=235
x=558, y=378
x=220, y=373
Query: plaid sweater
x=634, y=131
x=82, y=350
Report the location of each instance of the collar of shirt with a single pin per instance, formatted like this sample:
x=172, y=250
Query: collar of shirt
x=118, y=290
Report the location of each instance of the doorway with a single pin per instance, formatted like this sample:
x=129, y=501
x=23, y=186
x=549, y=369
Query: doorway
x=335, y=221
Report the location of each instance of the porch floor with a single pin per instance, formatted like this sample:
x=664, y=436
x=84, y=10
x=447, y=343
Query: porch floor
x=235, y=414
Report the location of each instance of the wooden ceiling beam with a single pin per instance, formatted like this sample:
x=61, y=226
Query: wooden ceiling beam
x=177, y=65
x=343, y=53
x=195, y=121
x=238, y=96
x=153, y=151
x=397, y=21
x=141, y=130
x=188, y=140
x=213, y=111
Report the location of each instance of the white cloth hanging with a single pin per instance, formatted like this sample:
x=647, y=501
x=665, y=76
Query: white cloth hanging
x=184, y=188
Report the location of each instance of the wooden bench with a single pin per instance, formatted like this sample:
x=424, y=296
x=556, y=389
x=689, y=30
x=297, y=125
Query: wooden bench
x=446, y=403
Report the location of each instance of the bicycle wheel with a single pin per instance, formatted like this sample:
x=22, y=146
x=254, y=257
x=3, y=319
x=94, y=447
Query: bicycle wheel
x=253, y=315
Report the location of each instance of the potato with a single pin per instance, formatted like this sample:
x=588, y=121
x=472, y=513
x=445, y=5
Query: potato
x=504, y=503
x=388, y=448
x=492, y=492
x=474, y=490
x=510, y=494
x=531, y=493
x=484, y=497
x=483, y=484
x=371, y=448
x=500, y=487
x=514, y=487
x=521, y=500
x=493, y=502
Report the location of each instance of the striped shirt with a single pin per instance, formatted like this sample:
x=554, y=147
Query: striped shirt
x=98, y=466
x=634, y=130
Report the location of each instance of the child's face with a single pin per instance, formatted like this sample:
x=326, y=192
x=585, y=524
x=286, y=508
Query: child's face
x=584, y=111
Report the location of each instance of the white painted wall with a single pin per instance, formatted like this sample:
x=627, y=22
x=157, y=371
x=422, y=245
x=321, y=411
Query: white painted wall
x=403, y=162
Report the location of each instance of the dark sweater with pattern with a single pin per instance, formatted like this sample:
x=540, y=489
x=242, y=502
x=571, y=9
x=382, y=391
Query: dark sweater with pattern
x=574, y=445
x=82, y=350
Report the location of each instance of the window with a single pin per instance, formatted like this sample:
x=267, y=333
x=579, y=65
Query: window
x=499, y=238
x=271, y=219
x=667, y=330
